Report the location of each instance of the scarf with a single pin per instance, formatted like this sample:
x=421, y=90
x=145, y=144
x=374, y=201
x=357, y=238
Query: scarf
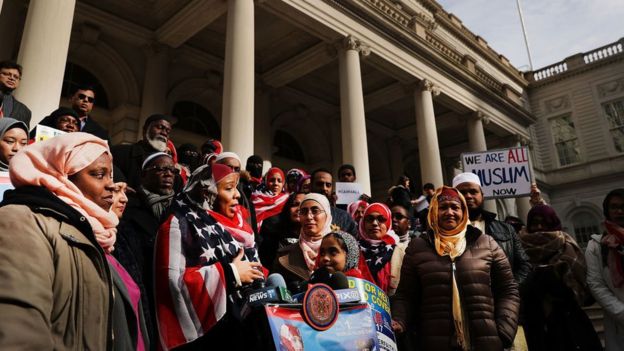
x=49, y=163
x=614, y=240
x=378, y=252
x=237, y=226
x=354, y=206
x=157, y=203
x=560, y=252
x=451, y=243
x=311, y=248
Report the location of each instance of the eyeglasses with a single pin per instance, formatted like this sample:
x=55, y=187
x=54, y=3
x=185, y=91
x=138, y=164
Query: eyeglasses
x=69, y=120
x=398, y=216
x=379, y=219
x=161, y=170
x=315, y=211
x=10, y=75
x=90, y=99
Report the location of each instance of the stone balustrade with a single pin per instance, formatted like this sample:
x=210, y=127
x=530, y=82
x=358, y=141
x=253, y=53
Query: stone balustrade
x=578, y=61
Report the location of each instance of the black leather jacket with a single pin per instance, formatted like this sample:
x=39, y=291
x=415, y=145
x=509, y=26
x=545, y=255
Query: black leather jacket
x=508, y=240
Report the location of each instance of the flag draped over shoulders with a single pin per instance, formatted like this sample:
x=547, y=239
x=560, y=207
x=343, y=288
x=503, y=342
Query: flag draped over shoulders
x=193, y=273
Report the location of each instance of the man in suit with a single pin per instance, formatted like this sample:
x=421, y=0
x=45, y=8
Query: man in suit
x=82, y=101
x=10, y=76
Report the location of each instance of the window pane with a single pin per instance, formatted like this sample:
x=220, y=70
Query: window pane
x=585, y=224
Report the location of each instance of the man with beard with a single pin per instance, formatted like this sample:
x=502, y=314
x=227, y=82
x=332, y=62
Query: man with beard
x=138, y=227
x=322, y=183
x=10, y=76
x=505, y=235
x=129, y=158
x=82, y=100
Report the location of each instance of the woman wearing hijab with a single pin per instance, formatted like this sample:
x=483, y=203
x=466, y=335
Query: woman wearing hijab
x=205, y=254
x=457, y=291
x=378, y=243
x=554, y=292
x=297, y=261
x=293, y=176
x=605, y=269
x=356, y=209
x=55, y=231
x=13, y=137
x=269, y=199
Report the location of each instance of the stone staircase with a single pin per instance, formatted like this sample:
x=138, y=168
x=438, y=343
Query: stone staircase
x=596, y=315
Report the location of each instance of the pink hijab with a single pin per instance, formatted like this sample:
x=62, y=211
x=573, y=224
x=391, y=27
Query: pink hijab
x=49, y=164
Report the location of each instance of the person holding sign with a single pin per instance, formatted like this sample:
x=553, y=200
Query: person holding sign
x=505, y=235
x=457, y=291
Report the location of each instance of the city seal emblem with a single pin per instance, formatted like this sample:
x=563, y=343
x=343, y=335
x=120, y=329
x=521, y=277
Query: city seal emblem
x=320, y=307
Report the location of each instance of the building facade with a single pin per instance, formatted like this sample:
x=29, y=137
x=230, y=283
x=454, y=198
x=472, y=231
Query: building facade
x=390, y=86
x=578, y=139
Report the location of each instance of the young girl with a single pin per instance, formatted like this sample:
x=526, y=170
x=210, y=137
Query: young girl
x=340, y=252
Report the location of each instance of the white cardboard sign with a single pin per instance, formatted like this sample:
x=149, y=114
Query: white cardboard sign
x=348, y=192
x=503, y=173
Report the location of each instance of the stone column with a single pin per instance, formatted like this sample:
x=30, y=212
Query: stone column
x=353, y=119
x=154, y=99
x=43, y=54
x=477, y=142
x=239, y=81
x=263, y=141
x=522, y=203
x=428, y=148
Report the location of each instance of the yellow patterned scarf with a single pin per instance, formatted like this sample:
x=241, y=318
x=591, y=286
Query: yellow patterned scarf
x=451, y=243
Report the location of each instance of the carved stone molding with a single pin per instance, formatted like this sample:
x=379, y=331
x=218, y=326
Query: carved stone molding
x=481, y=116
x=427, y=85
x=522, y=140
x=351, y=43
x=557, y=104
x=610, y=88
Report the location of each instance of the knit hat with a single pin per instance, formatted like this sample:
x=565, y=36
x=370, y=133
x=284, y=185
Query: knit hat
x=466, y=177
x=148, y=160
x=353, y=249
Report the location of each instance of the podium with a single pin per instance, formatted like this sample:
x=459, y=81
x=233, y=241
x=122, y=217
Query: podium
x=362, y=323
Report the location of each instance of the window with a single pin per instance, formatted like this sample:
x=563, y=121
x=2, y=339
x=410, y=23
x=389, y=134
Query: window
x=76, y=76
x=614, y=112
x=585, y=224
x=195, y=118
x=288, y=147
x=566, y=141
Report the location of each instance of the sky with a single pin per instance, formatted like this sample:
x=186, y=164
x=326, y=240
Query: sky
x=556, y=29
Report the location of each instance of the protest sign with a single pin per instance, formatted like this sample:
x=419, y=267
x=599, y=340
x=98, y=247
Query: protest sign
x=348, y=192
x=44, y=132
x=353, y=330
x=503, y=173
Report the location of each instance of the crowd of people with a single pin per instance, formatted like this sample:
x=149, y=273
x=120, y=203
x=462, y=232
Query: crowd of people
x=147, y=246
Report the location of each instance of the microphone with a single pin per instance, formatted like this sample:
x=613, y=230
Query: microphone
x=274, y=291
x=338, y=281
x=320, y=275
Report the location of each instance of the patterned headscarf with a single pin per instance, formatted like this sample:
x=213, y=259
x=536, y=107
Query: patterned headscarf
x=49, y=163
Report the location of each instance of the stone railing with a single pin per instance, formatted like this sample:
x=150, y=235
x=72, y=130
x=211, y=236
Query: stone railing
x=578, y=61
x=550, y=71
x=603, y=52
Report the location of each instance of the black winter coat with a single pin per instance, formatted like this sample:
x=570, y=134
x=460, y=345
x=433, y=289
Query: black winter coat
x=488, y=292
x=508, y=240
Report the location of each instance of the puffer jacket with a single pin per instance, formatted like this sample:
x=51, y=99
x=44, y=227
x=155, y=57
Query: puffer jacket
x=55, y=285
x=609, y=297
x=508, y=240
x=488, y=292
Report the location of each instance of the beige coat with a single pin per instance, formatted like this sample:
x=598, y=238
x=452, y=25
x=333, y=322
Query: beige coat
x=54, y=283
